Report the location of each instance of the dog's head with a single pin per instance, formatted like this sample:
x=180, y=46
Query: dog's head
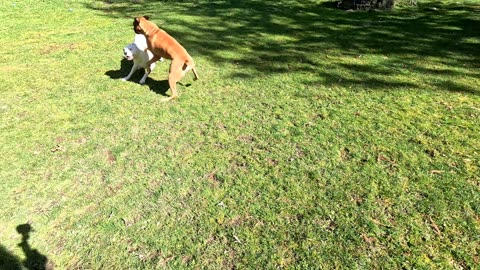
x=129, y=51
x=139, y=24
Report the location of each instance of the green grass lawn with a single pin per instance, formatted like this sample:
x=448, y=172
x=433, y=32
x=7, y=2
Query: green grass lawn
x=315, y=138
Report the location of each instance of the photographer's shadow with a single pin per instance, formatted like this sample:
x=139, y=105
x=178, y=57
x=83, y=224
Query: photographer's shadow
x=159, y=87
x=34, y=260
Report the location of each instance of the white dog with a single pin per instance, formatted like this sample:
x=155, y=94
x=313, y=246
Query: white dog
x=138, y=52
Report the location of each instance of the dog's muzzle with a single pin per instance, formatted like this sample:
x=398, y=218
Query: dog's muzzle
x=127, y=54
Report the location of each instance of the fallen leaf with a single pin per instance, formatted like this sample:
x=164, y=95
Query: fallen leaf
x=57, y=148
x=164, y=261
x=367, y=239
x=435, y=227
x=236, y=239
x=384, y=158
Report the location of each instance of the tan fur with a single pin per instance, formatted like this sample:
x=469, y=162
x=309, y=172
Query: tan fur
x=161, y=44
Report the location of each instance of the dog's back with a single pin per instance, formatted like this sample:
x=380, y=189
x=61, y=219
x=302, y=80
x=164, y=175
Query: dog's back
x=140, y=41
x=141, y=55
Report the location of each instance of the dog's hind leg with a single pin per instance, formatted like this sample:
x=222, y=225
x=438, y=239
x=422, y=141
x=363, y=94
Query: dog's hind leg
x=176, y=73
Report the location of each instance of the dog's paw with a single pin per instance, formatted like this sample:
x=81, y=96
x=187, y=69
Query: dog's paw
x=141, y=82
x=168, y=98
x=125, y=79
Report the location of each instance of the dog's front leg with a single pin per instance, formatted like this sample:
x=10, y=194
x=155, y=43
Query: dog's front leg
x=147, y=72
x=154, y=59
x=134, y=68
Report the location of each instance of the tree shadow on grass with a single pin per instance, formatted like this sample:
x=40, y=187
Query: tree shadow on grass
x=34, y=260
x=283, y=37
x=159, y=87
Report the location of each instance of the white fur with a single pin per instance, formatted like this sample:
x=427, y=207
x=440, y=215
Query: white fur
x=138, y=52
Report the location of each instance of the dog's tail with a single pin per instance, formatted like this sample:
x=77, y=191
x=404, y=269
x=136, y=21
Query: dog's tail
x=195, y=73
x=188, y=65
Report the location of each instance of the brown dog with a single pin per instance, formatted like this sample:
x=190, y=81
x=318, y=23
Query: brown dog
x=163, y=45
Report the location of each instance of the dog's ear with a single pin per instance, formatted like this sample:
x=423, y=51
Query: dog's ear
x=146, y=17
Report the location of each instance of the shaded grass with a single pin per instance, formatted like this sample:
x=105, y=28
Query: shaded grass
x=311, y=141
